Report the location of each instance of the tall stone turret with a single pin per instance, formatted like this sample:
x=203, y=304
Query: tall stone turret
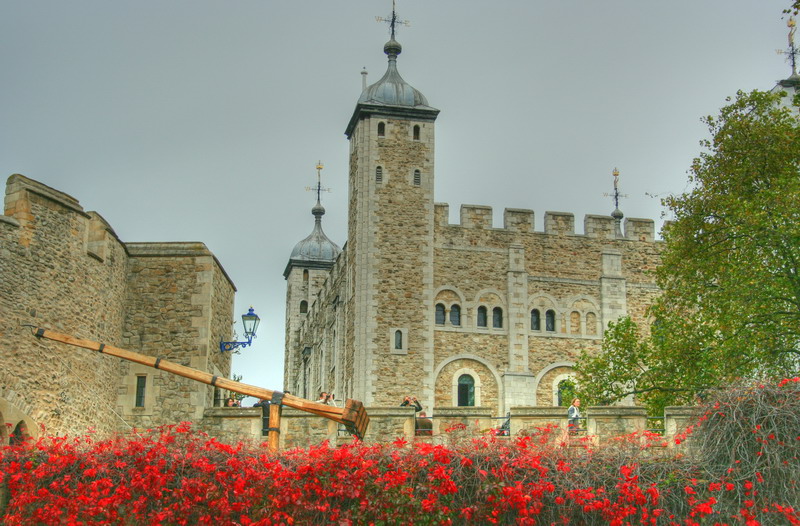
x=308, y=267
x=390, y=238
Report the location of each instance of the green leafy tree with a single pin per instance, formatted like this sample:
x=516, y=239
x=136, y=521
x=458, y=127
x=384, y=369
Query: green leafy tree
x=730, y=306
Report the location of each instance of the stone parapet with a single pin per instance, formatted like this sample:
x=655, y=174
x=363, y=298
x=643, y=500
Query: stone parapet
x=676, y=419
x=639, y=229
x=609, y=422
x=476, y=216
x=525, y=420
x=475, y=418
x=231, y=424
x=518, y=220
x=601, y=227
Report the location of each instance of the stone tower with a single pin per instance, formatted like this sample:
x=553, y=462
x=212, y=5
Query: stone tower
x=308, y=267
x=390, y=239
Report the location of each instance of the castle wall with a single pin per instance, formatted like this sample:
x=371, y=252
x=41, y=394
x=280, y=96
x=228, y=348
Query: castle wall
x=64, y=269
x=178, y=307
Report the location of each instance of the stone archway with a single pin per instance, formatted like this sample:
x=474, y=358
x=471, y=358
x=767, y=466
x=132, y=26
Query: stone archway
x=20, y=434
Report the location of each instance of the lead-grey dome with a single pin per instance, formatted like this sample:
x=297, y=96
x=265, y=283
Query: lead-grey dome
x=316, y=250
x=391, y=89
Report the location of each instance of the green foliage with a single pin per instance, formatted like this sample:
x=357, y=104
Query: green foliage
x=730, y=306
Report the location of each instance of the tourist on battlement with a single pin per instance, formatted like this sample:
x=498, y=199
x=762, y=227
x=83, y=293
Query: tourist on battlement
x=412, y=400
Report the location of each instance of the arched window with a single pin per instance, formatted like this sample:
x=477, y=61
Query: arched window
x=455, y=315
x=303, y=307
x=416, y=132
x=591, y=323
x=566, y=392
x=305, y=276
x=497, y=318
x=439, y=314
x=550, y=321
x=379, y=174
x=536, y=320
x=481, y=316
x=381, y=129
x=466, y=391
x=398, y=339
x=417, y=178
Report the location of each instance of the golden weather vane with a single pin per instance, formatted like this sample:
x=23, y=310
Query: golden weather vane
x=792, y=51
x=392, y=20
x=318, y=187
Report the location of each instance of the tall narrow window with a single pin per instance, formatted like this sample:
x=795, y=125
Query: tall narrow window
x=417, y=178
x=381, y=129
x=455, y=315
x=497, y=318
x=481, y=316
x=141, y=383
x=379, y=174
x=439, y=314
x=466, y=391
x=550, y=321
x=575, y=322
x=536, y=320
x=416, y=132
x=305, y=276
x=303, y=307
x=398, y=339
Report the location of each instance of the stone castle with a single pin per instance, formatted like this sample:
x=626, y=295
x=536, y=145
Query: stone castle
x=458, y=315
x=455, y=314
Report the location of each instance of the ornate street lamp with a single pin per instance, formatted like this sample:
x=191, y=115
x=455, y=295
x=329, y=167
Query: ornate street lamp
x=250, y=322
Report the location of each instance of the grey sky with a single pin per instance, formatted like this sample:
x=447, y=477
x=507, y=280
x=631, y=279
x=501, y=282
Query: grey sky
x=202, y=120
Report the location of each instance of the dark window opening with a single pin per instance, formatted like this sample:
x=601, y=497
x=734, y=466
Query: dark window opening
x=417, y=178
x=481, y=316
x=381, y=129
x=455, y=315
x=141, y=383
x=439, y=314
x=379, y=174
x=398, y=339
x=303, y=307
x=416, y=133
x=536, y=321
x=550, y=321
x=466, y=391
x=497, y=318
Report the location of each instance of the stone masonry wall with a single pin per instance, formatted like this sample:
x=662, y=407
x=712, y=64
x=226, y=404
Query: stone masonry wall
x=63, y=269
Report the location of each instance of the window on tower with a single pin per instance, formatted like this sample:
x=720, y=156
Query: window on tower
x=439, y=314
x=497, y=318
x=466, y=391
x=455, y=315
x=481, y=316
x=303, y=307
x=398, y=339
x=536, y=320
x=417, y=178
x=550, y=321
x=379, y=174
x=416, y=132
x=381, y=129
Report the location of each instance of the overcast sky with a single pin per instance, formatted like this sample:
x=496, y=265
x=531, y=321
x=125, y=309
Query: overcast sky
x=202, y=120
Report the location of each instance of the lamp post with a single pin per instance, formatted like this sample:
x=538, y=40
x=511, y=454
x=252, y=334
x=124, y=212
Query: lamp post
x=250, y=322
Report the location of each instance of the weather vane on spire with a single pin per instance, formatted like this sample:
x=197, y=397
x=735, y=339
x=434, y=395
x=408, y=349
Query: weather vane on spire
x=318, y=188
x=616, y=195
x=392, y=20
x=792, y=51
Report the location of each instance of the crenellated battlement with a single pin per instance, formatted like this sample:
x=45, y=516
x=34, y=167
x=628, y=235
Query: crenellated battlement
x=555, y=223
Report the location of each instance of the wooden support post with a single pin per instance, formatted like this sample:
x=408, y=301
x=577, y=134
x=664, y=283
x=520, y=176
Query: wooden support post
x=274, y=435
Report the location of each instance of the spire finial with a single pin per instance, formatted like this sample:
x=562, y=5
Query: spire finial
x=318, y=209
x=792, y=51
x=616, y=196
x=392, y=20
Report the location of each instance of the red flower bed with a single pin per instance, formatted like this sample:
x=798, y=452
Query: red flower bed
x=175, y=475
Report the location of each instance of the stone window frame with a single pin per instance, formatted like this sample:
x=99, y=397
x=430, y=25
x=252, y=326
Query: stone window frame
x=128, y=399
x=404, y=335
x=450, y=315
x=416, y=133
x=478, y=385
x=538, y=327
x=497, y=314
x=379, y=175
x=416, y=177
x=485, y=310
x=381, y=132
